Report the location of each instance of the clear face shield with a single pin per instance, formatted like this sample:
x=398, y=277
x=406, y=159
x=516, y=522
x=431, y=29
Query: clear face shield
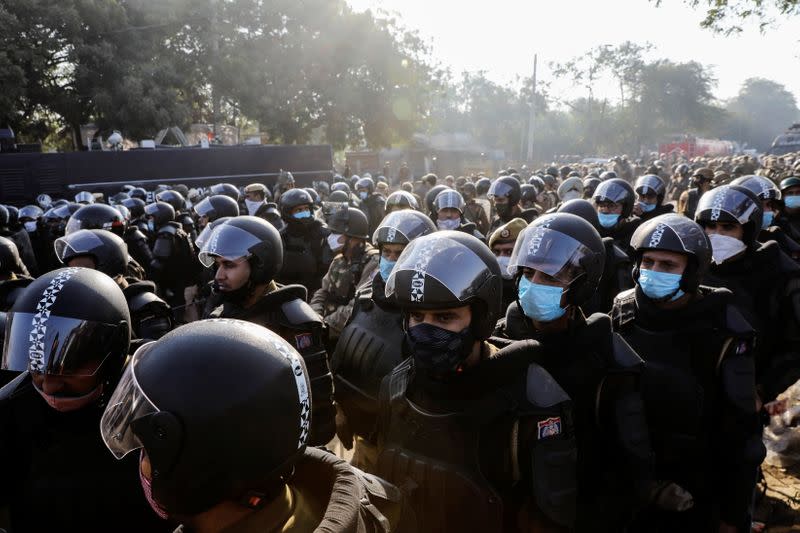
x=229, y=242
x=548, y=251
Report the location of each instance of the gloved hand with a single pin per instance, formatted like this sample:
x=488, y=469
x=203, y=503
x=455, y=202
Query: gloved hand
x=669, y=496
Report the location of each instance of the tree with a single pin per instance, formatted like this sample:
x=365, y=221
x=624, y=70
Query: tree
x=761, y=110
x=725, y=16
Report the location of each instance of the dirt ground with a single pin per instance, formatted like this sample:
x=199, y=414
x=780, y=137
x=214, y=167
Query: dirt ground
x=779, y=509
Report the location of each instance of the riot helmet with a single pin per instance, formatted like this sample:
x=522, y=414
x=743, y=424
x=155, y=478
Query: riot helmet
x=582, y=208
x=731, y=204
x=351, y=222
x=506, y=187
x=431, y=195
x=84, y=197
x=448, y=199
x=247, y=237
x=96, y=216
x=401, y=200
x=365, y=185
x=173, y=198
x=293, y=199
x=651, y=184
x=161, y=212
x=232, y=430
x=674, y=233
x=763, y=188
x=401, y=227
x=135, y=206
x=108, y=251
x=341, y=186
x=608, y=175
x=618, y=191
x=590, y=184
x=483, y=185
x=217, y=206
x=138, y=192
x=225, y=189
x=13, y=217
x=201, y=239
x=337, y=197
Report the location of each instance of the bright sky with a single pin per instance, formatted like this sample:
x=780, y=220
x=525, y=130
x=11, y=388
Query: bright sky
x=501, y=36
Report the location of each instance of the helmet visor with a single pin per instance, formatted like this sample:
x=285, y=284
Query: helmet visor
x=78, y=243
x=204, y=207
x=228, y=242
x=649, y=185
x=549, y=251
x=609, y=191
x=30, y=211
x=55, y=345
x=449, y=199
x=84, y=197
x=127, y=405
x=729, y=201
x=449, y=262
x=500, y=188
x=401, y=227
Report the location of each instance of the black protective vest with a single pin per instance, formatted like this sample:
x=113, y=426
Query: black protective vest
x=369, y=347
x=302, y=256
x=470, y=469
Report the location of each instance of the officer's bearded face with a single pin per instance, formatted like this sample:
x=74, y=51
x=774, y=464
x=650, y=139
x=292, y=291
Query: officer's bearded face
x=231, y=275
x=454, y=319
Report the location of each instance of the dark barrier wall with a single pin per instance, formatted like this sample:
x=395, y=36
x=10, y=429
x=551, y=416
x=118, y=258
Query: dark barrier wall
x=24, y=176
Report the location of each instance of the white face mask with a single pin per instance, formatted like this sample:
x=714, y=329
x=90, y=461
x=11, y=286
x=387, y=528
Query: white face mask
x=503, y=261
x=570, y=195
x=253, y=206
x=448, y=224
x=30, y=226
x=724, y=247
x=333, y=242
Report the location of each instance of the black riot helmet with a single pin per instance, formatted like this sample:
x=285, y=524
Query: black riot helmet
x=651, y=184
x=138, y=192
x=786, y=183
x=10, y=262
x=119, y=197
x=162, y=212
x=214, y=428
x=96, y=216
x=483, y=185
x=449, y=269
x=341, y=186
x=4, y=217
x=13, y=217
x=731, y=203
x=314, y=196
x=618, y=191
x=173, y=198
x=135, y=206
x=431, y=195
x=507, y=187
x=449, y=199
x=323, y=188
x=294, y=198
x=683, y=170
x=367, y=184
x=402, y=227
x=217, y=206
x=400, y=200
x=674, y=233
x=590, y=184
x=582, y=208
x=351, y=222
x=763, y=188
x=564, y=246
x=30, y=212
x=84, y=197
x=250, y=237
x=70, y=322
x=528, y=194
x=608, y=175
x=225, y=189
x=339, y=197
x=109, y=251
x=201, y=239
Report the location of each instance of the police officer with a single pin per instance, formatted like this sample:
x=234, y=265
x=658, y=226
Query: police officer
x=213, y=207
x=789, y=216
x=501, y=243
x=702, y=181
x=174, y=266
x=225, y=449
x=182, y=215
x=491, y=426
x=370, y=345
x=613, y=200
x=306, y=256
x=770, y=197
x=372, y=203
x=473, y=211
x=246, y=253
x=71, y=358
x=400, y=200
x=138, y=218
x=11, y=265
x=570, y=189
x=698, y=382
x=765, y=282
x=650, y=190
x=355, y=265
x=284, y=183
x=256, y=196
x=505, y=196
x=102, y=250
x=679, y=182
x=557, y=263
x=448, y=207
x=21, y=239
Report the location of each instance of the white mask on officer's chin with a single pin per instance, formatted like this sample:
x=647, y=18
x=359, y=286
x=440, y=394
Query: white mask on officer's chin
x=570, y=195
x=253, y=206
x=724, y=247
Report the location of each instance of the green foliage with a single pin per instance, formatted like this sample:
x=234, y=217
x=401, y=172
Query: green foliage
x=761, y=110
x=726, y=16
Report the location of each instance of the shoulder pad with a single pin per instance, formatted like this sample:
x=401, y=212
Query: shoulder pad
x=133, y=234
x=619, y=255
x=168, y=229
x=299, y=312
x=290, y=291
x=736, y=323
x=624, y=308
x=139, y=287
x=624, y=356
x=541, y=389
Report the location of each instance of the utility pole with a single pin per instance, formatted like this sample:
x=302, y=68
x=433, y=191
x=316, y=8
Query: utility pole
x=214, y=64
x=532, y=118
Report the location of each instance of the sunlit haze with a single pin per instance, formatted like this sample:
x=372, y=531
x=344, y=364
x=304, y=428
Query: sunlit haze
x=501, y=37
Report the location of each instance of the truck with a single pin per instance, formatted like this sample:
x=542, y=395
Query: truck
x=786, y=142
x=690, y=146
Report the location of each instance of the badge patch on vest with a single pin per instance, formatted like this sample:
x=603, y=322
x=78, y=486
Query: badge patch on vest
x=549, y=427
x=303, y=341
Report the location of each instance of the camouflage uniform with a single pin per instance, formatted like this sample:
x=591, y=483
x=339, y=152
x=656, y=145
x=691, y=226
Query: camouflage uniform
x=334, y=299
x=474, y=212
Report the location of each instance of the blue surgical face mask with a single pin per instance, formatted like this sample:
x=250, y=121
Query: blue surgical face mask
x=792, y=202
x=769, y=216
x=151, y=225
x=540, y=302
x=660, y=285
x=302, y=214
x=363, y=195
x=386, y=267
x=646, y=208
x=608, y=220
